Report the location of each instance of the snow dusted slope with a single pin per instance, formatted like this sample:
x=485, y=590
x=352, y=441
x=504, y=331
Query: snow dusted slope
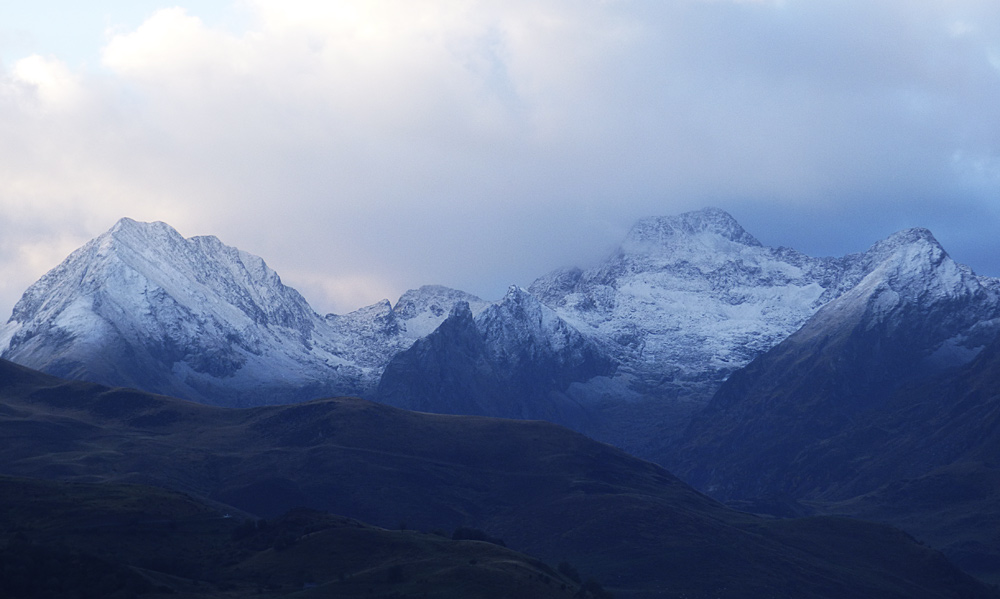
x=683, y=303
x=526, y=338
x=911, y=283
x=688, y=299
x=142, y=306
x=422, y=310
x=788, y=424
x=514, y=360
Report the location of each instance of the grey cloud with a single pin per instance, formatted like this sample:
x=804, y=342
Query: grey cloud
x=483, y=146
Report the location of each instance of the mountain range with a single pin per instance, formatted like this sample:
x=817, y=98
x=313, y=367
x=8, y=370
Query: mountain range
x=774, y=381
x=682, y=304
x=882, y=397
x=915, y=315
x=142, y=306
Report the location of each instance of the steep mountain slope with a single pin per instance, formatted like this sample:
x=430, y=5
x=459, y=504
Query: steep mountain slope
x=625, y=352
x=144, y=307
x=446, y=372
x=916, y=313
x=134, y=302
x=684, y=302
x=515, y=360
x=688, y=299
x=927, y=462
x=881, y=406
x=541, y=488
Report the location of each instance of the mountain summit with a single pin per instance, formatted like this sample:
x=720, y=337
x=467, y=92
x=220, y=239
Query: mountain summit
x=763, y=375
x=707, y=227
x=637, y=342
x=686, y=300
x=778, y=427
x=142, y=306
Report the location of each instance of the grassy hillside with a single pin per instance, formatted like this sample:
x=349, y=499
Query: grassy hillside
x=544, y=490
x=111, y=540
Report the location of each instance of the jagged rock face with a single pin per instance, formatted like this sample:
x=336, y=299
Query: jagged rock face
x=422, y=310
x=515, y=360
x=771, y=425
x=446, y=372
x=142, y=306
x=531, y=345
x=688, y=299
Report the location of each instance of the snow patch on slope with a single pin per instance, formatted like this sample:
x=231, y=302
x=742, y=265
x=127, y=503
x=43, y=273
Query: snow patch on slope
x=689, y=299
x=143, y=306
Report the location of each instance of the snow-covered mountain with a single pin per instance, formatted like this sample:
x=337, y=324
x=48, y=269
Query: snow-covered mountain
x=515, y=360
x=911, y=285
x=759, y=374
x=143, y=306
x=639, y=341
x=688, y=299
x=786, y=425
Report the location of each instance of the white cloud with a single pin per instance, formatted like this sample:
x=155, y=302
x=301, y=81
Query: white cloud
x=46, y=84
x=171, y=46
x=364, y=147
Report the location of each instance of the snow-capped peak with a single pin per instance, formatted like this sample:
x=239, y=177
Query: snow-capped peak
x=914, y=289
x=422, y=310
x=201, y=274
x=710, y=227
x=913, y=241
x=686, y=301
x=141, y=305
x=520, y=306
x=912, y=267
x=520, y=328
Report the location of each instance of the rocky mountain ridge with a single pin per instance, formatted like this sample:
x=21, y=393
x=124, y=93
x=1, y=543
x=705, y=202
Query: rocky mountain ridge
x=915, y=314
x=685, y=301
x=882, y=406
x=763, y=376
x=142, y=306
x=514, y=360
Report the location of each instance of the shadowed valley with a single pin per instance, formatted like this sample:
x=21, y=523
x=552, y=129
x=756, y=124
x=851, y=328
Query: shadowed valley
x=544, y=490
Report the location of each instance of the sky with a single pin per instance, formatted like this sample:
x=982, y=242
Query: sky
x=363, y=148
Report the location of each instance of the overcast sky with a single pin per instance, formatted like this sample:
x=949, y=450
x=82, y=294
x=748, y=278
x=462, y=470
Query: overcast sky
x=365, y=148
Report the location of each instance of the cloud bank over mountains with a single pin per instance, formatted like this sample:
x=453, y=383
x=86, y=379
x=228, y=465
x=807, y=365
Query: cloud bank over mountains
x=370, y=147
